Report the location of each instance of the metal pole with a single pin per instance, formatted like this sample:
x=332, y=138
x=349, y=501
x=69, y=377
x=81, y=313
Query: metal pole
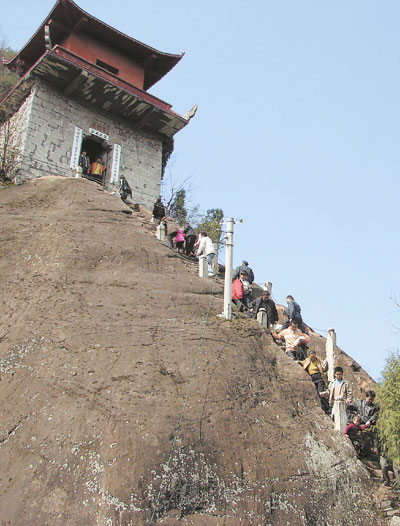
x=228, y=269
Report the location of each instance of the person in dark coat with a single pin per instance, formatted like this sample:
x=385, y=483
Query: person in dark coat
x=264, y=302
x=366, y=409
x=244, y=267
x=293, y=312
x=170, y=239
x=84, y=163
x=124, y=189
x=159, y=210
x=190, y=239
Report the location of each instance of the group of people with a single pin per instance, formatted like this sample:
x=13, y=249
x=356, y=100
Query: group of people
x=184, y=239
x=363, y=433
x=361, y=416
x=96, y=169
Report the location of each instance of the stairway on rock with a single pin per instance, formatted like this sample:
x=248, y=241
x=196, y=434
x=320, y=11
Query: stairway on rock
x=389, y=496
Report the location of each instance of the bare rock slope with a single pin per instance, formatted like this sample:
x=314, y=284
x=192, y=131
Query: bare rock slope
x=100, y=329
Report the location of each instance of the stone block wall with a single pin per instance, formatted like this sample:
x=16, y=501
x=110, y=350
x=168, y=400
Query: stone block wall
x=49, y=136
x=13, y=135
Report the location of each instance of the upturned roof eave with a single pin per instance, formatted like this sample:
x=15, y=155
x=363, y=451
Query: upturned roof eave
x=19, y=92
x=36, y=45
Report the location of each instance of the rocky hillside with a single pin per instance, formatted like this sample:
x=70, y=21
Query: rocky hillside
x=100, y=328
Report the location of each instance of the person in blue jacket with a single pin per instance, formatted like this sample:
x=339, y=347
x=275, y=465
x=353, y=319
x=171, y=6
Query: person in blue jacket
x=244, y=267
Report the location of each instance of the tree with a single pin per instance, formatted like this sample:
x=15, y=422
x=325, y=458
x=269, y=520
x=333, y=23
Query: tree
x=10, y=150
x=177, y=208
x=212, y=224
x=176, y=197
x=388, y=397
x=8, y=78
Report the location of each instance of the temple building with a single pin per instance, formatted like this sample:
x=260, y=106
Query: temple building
x=83, y=87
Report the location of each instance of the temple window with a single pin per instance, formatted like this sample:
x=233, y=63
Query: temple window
x=107, y=67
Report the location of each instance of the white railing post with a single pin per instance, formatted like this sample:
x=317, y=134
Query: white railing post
x=203, y=267
x=268, y=287
x=160, y=232
x=340, y=415
x=228, y=268
x=330, y=347
x=163, y=231
x=215, y=265
x=262, y=318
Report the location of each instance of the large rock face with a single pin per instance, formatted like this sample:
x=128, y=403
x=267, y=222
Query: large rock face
x=101, y=329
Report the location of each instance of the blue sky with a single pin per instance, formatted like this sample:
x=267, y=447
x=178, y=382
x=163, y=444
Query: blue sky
x=297, y=132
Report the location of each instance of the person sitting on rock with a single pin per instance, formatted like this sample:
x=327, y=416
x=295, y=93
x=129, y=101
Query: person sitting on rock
x=317, y=370
x=293, y=312
x=238, y=296
x=352, y=431
x=387, y=464
x=294, y=339
x=240, y=268
x=264, y=302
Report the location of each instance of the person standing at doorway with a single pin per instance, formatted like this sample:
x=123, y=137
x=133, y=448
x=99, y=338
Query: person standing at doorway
x=98, y=168
x=84, y=163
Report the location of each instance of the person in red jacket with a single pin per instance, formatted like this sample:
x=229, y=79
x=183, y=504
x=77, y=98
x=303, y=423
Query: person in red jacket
x=238, y=291
x=352, y=431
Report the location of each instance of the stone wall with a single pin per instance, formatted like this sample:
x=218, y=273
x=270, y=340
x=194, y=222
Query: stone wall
x=50, y=135
x=13, y=135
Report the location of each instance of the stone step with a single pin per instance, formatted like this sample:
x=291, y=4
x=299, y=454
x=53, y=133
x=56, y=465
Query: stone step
x=375, y=473
x=371, y=464
x=393, y=513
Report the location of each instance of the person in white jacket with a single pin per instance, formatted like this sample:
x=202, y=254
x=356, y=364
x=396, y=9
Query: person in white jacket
x=206, y=248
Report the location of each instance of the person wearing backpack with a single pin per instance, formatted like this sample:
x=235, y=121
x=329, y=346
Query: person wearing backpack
x=247, y=292
x=190, y=239
x=244, y=266
x=293, y=312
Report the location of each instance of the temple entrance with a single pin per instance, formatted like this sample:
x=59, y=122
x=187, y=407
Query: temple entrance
x=95, y=148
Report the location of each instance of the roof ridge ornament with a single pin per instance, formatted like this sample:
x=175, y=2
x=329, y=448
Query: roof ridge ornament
x=191, y=113
x=47, y=37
